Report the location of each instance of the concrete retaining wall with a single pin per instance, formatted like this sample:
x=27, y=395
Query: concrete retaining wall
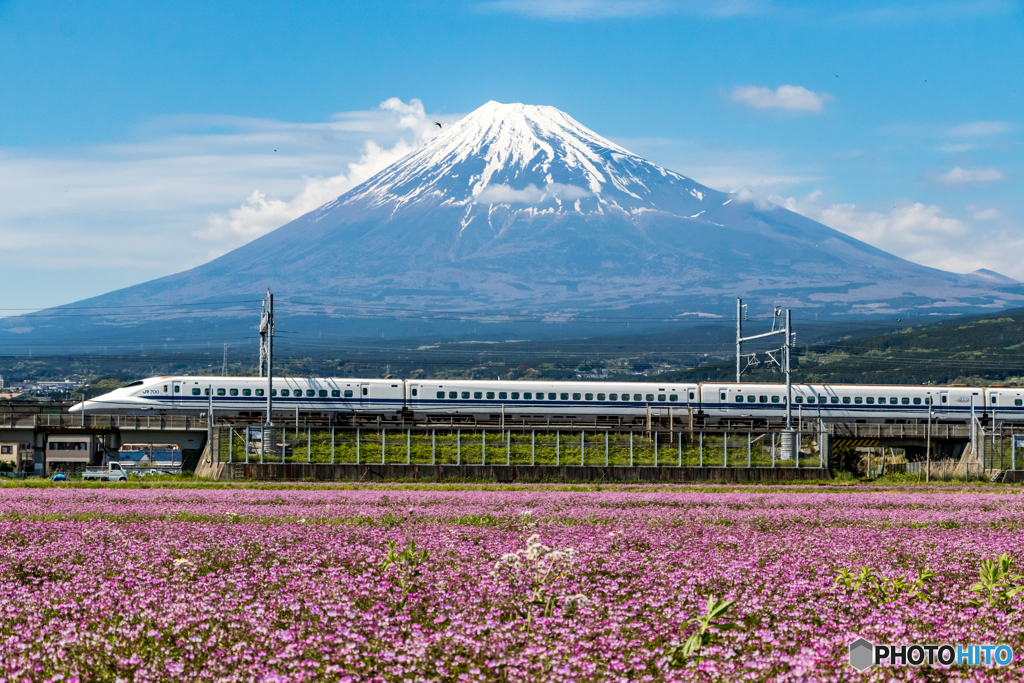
x=515, y=473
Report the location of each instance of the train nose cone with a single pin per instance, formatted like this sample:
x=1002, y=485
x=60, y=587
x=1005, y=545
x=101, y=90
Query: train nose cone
x=77, y=408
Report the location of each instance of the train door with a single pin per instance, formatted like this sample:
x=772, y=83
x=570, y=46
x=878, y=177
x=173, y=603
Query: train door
x=364, y=396
x=942, y=407
x=176, y=389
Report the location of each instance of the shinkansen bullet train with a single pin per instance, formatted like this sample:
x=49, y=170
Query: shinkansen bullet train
x=334, y=396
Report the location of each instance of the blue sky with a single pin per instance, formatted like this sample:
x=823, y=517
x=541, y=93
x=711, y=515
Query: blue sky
x=138, y=139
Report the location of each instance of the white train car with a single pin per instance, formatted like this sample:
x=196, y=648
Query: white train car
x=1005, y=403
x=846, y=402
x=518, y=398
x=237, y=395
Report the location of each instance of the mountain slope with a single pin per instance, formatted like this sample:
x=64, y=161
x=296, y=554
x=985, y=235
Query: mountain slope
x=521, y=209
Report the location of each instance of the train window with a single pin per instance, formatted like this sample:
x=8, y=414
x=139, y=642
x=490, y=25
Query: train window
x=993, y=400
x=221, y=392
x=551, y=397
x=600, y=397
x=917, y=400
x=834, y=399
x=588, y=397
x=1016, y=401
x=465, y=394
x=764, y=399
x=650, y=397
x=490, y=394
x=575, y=397
x=871, y=400
x=440, y=394
x=944, y=398
x=799, y=399
x=691, y=395
x=515, y=395
x=565, y=397
x=846, y=399
x=234, y=392
x=662, y=397
x=195, y=392
x=273, y=392
x=613, y=397
x=285, y=392
x=259, y=392
x=348, y=393
x=365, y=391
x=636, y=397
x=775, y=399
x=672, y=398
x=323, y=393
x=310, y=393
x=928, y=400
x=721, y=396
x=858, y=400
x=906, y=401
x=822, y=399
x=739, y=398
x=751, y=399
x=478, y=394
x=246, y=392
x=527, y=395
x=502, y=395
x=893, y=401
x=336, y=393
x=177, y=389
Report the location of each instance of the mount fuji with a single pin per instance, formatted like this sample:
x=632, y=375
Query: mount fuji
x=519, y=210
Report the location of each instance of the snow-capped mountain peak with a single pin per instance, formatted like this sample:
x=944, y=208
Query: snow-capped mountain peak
x=527, y=157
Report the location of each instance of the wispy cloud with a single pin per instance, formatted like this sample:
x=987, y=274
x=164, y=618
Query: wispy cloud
x=960, y=177
x=590, y=10
x=531, y=194
x=903, y=13
x=988, y=215
x=185, y=189
x=259, y=215
x=970, y=130
x=980, y=129
x=791, y=97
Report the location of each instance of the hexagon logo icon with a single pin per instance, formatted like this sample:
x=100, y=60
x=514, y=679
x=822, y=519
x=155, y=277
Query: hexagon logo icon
x=861, y=654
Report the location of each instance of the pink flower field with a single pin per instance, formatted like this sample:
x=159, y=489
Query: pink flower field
x=535, y=584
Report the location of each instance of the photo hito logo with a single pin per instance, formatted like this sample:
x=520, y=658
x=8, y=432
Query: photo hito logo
x=864, y=654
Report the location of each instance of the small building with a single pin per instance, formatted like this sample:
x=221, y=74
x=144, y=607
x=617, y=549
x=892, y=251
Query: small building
x=19, y=454
x=69, y=453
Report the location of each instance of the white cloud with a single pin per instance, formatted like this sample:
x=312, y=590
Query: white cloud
x=908, y=12
x=140, y=204
x=980, y=129
x=988, y=215
x=958, y=177
x=575, y=10
x=921, y=233
x=791, y=97
x=531, y=194
x=951, y=148
x=258, y=215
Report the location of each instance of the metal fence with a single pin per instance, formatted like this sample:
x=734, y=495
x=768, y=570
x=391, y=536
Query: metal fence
x=21, y=421
x=565, y=447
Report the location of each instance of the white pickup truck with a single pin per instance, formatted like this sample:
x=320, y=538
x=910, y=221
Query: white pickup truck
x=111, y=472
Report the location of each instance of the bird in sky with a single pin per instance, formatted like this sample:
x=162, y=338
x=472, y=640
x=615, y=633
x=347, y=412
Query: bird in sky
x=437, y=124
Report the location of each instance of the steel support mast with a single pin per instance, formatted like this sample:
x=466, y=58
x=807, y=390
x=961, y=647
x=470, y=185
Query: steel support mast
x=787, y=352
x=267, y=352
